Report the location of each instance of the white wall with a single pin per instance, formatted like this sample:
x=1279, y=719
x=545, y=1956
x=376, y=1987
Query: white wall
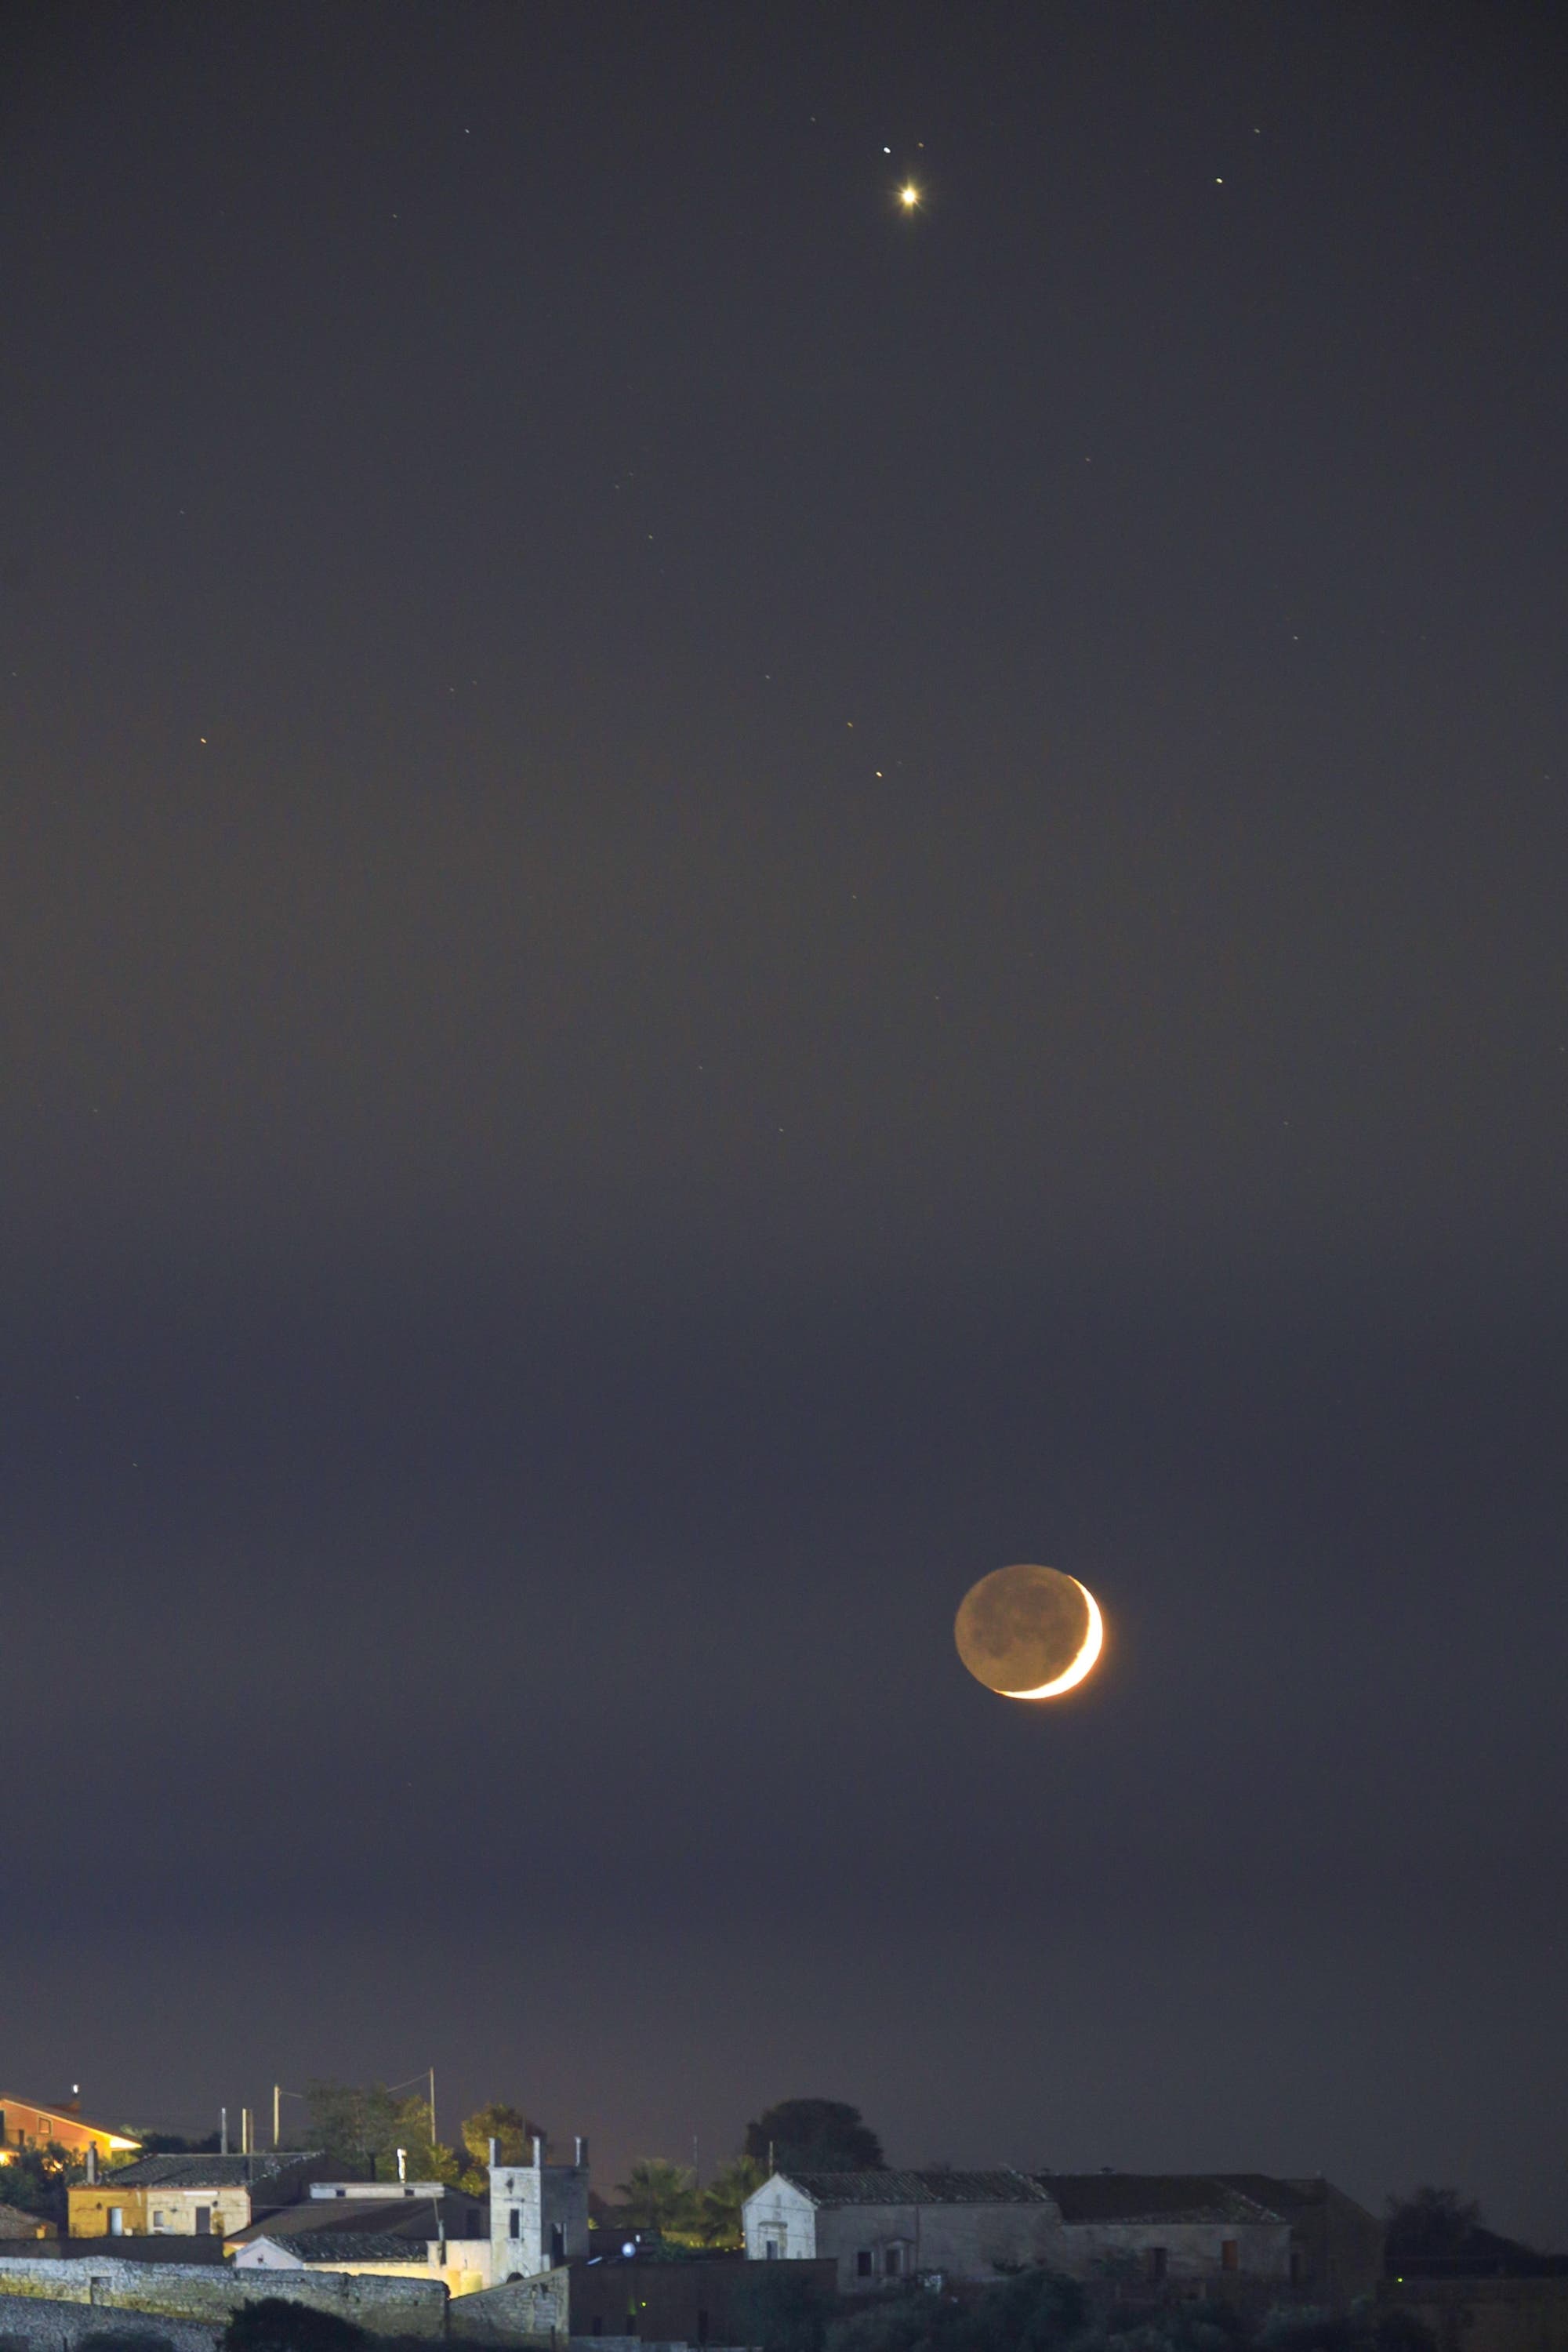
x=780, y=2215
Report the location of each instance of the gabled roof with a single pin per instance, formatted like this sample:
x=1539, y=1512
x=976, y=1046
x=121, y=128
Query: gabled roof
x=210, y=2171
x=333, y=2248
x=411, y=2218
x=937, y=2186
x=1155, y=2196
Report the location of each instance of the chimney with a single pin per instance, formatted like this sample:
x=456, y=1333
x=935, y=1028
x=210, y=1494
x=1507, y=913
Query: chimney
x=582, y=2155
x=538, y=2153
x=92, y=2162
x=495, y=2154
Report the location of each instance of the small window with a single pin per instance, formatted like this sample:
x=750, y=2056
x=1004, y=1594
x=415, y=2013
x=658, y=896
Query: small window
x=557, y=2245
x=863, y=2263
x=1230, y=2255
x=513, y=2219
x=1155, y=2261
x=893, y=2263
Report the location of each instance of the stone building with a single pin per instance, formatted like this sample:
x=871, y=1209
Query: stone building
x=1198, y=2231
x=377, y=2229
x=880, y=2227
x=1156, y=2226
x=539, y=2214
x=191, y=2195
x=1336, y=2245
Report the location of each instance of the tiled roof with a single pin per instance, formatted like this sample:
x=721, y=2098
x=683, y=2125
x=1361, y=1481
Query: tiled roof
x=209, y=2171
x=1152, y=2196
x=1268, y=2189
x=413, y=2218
x=1002, y=2187
x=14, y=2223
x=331, y=2247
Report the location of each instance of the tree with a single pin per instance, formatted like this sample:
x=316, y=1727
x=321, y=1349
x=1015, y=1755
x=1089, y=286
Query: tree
x=914, y=2321
x=657, y=2195
x=1032, y=2311
x=814, y=2136
x=273, y=2324
x=36, y=2179
x=354, y=2122
x=1401, y=2331
x=424, y=2158
x=513, y=2133
x=718, y=2207
x=781, y=2311
x=364, y=2123
x=1429, y=2222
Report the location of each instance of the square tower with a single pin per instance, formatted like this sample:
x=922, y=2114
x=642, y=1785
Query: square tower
x=539, y=2214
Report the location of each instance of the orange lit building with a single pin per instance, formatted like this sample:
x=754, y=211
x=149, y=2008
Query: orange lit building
x=27, y=2123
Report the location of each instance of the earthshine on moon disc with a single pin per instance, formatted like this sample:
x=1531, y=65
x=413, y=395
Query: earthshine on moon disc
x=1028, y=1633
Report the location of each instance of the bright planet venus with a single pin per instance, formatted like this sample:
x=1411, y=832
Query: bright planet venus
x=1028, y=1633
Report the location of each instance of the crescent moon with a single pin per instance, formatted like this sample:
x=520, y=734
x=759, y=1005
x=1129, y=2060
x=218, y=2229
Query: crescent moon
x=1084, y=1661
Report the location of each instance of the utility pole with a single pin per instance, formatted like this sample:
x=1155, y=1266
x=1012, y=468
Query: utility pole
x=277, y=2113
x=432, y=2106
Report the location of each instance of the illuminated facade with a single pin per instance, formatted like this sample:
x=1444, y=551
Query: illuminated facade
x=27, y=2122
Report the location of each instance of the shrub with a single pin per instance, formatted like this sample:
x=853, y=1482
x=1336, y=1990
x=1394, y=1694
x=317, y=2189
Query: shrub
x=275, y=2325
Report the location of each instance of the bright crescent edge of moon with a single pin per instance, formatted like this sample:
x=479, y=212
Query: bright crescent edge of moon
x=1082, y=1664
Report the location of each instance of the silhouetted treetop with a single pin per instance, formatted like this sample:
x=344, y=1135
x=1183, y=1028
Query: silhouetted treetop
x=814, y=2136
x=1428, y=2222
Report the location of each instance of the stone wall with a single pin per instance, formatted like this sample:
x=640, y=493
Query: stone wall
x=535, y=2308
x=29, y=2323
x=964, y=2242
x=1193, y=2250
x=383, y=2307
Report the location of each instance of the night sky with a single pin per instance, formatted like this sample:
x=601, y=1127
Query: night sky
x=718, y=905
